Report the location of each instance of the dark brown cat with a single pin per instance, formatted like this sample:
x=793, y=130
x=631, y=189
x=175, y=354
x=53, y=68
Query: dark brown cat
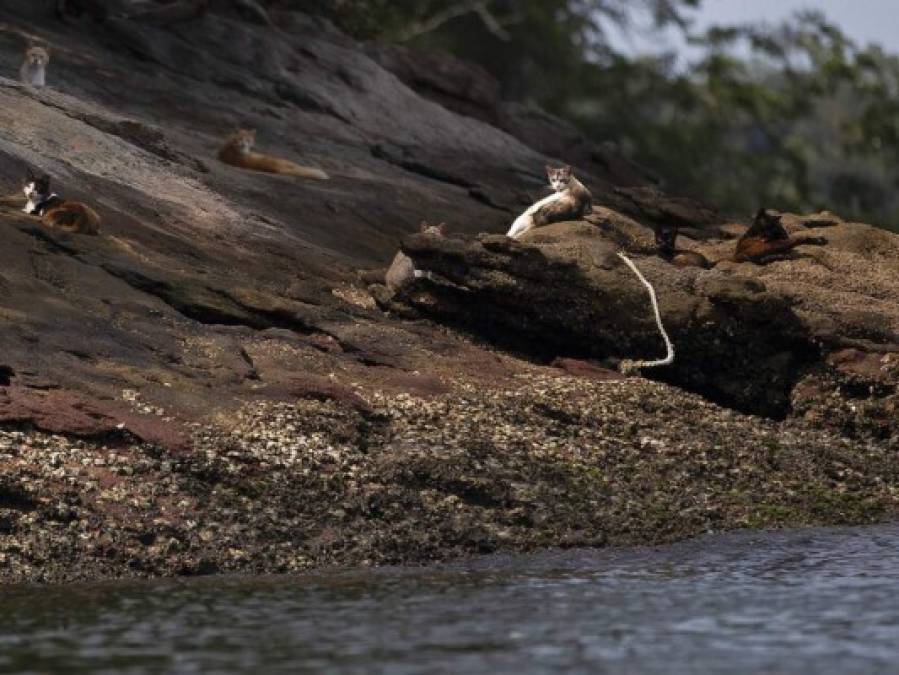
x=764, y=242
x=666, y=243
x=767, y=240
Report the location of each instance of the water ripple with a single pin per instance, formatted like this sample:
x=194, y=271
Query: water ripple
x=816, y=601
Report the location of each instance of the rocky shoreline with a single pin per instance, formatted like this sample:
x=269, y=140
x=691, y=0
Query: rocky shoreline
x=208, y=386
x=549, y=460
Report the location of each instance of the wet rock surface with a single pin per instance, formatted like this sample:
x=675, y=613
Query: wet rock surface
x=209, y=386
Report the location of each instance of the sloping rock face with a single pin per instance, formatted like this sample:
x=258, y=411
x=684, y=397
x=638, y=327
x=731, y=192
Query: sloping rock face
x=197, y=257
x=208, y=386
x=470, y=91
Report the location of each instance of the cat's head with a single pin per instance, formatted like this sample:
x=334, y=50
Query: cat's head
x=559, y=178
x=666, y=239
x=243, y=139
x=35, y=186
x=438, y=230
x=37, y=57
x=768, y=223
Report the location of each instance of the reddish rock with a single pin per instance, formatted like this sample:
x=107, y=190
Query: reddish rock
x=65, y=412
x=581, y=368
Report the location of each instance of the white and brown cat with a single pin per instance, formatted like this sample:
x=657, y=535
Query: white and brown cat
x=402, y=270
x=570, y=200
x=56, y=212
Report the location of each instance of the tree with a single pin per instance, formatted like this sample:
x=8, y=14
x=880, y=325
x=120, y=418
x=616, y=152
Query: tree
x=806, y=120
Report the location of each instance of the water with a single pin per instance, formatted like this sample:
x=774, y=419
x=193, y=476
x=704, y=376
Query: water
x=815, y=601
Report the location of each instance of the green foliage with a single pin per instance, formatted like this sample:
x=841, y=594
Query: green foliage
x=792, y=117
x=806, y=120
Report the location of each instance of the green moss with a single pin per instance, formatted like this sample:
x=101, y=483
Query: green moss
x=833, y=507
x=774, y=515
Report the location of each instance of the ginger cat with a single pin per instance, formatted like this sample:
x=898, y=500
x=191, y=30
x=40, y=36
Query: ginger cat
x=238, y=151
x=62, y=214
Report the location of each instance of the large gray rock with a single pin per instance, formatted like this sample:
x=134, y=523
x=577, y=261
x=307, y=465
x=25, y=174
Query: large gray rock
x=816, y=336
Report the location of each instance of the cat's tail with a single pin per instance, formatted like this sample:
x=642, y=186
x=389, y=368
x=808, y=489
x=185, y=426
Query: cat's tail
x=629, y=366
x=522, y=224
x=292, y=169
x=73, y=217
x=260, y=162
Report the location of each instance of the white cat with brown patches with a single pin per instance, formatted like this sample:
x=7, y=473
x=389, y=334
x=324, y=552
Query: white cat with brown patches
x=33, y=70
x=570, y=201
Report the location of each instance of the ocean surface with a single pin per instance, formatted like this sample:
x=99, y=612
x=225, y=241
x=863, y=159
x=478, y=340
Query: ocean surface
x=811, y=601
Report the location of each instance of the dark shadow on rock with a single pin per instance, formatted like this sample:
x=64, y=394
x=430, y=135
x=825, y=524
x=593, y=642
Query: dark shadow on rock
x=738, y=342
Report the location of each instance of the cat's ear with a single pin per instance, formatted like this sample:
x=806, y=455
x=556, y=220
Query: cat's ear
x=761, y=213
x=549, y=170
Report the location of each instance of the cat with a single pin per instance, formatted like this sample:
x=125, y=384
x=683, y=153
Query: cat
x=666, y=243
x=238, y=151
x=33, y=70
x=569, y=201
x=764, y=242
x=402, y=270
x=56, y=212
x=767, y=240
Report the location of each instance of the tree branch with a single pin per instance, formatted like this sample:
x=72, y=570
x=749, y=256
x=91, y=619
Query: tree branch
x=478, y=7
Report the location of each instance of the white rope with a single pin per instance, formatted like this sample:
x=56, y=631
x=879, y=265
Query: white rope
x=628, y=366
